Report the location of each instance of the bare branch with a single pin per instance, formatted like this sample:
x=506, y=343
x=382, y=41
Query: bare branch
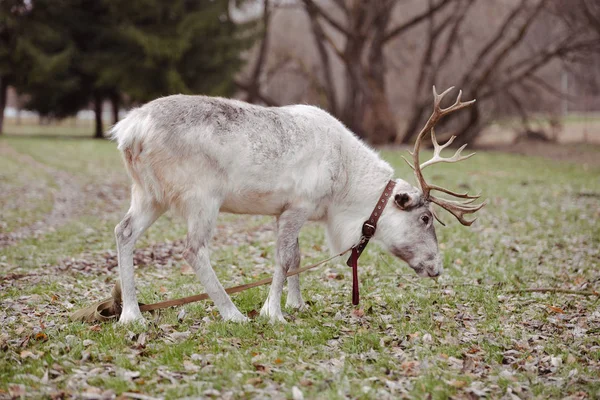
x=550, y=89
x=452, y=38
x=342, y=5
x=427, y=73
x=538, y=62
x=310, y=4
x=500, y=34
x=262, y=55
x=320, y=39
x=415, y=20
x=493, y=65
x=338, y=52
x=259, y=95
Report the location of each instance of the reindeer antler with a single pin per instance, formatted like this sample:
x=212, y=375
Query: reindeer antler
x=456, y=208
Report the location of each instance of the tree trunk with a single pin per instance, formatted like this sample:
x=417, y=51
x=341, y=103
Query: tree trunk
x=3, y=94
x=262, y=56
x=99, y=132
x=320, y=42
x=115, y=103
x=352, y=112
x=356, y=87
x=472, y=128
x=378, y=121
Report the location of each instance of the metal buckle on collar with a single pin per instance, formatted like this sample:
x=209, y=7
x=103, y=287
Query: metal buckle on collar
x=368, y=230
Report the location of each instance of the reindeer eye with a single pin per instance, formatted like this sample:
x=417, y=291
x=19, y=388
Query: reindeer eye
x=425, y=219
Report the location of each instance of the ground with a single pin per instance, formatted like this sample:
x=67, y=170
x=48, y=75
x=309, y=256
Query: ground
x=465, y=336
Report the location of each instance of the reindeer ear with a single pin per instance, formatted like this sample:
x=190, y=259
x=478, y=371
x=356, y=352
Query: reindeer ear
x=403, y=200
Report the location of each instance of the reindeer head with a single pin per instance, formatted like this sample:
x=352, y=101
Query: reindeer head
x=407, y=228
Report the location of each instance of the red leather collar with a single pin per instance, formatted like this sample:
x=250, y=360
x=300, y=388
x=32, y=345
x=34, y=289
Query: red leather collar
x=368, y=230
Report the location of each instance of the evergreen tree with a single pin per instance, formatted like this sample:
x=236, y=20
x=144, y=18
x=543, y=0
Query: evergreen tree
x=12, y=25
x=82, y=51
x=181, y=46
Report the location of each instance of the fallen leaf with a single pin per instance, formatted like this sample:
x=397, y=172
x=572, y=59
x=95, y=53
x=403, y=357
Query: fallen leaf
x=358, y=312
x=186, y=269
x=27, y=354
x=458, y=384
x=262, y=368
x=556, y=309
x=254, y=381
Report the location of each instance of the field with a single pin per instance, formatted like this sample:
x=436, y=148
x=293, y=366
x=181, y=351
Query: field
x=471, y=334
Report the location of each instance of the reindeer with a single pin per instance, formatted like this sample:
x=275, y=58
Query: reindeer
x=201, y=155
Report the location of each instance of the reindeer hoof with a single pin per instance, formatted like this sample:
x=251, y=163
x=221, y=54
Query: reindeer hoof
x=131, y=318
x=274, y=317
x=296, y=305
x=236, y=317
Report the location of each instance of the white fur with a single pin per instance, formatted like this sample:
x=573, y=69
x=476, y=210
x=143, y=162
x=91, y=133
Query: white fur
x=201, y=155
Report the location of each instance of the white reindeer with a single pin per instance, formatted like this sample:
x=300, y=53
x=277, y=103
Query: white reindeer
x=200, y=155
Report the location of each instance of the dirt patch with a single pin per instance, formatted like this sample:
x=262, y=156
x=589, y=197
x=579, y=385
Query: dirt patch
x=67, y=200
x=71, y=198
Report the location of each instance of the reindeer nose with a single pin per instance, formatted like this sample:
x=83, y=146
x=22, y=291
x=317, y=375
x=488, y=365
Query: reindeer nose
x=434, y=274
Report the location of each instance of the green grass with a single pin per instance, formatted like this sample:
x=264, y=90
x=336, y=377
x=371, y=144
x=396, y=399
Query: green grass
x=68, y=127
x=461, y=337
x=32, y=186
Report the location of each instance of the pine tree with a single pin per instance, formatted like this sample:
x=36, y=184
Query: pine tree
x=84, y=51
x=180, y=46
x=12, y=14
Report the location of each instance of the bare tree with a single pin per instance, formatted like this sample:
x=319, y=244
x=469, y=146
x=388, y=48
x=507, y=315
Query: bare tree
x=366, y=28
x=508, y=61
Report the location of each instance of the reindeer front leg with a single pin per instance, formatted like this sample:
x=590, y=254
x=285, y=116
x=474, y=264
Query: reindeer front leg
x=294, y=297
x=201, y=222
x=287, y=256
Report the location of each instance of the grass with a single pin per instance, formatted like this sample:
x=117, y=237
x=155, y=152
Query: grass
x=28, y=184
x=461, y=337
x=69, y=127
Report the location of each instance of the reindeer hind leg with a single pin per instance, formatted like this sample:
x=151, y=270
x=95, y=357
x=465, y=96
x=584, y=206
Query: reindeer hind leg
x=141, y=215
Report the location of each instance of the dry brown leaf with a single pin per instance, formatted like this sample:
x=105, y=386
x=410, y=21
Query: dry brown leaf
x=262, y=368
x=254, y=381
x=358, y=313
x=458, y=384
x=186, y=269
